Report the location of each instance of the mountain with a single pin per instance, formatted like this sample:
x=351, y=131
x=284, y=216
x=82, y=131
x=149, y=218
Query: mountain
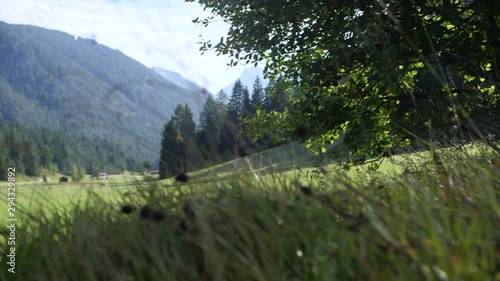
x=75, y=86
x=179, y=80
x=247, y=78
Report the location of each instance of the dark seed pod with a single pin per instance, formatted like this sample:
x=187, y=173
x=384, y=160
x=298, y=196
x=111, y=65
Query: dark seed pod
x=127, y=209
x=188, y=210
x=157, y=216
x=182, y=225
x=306, y=190
x=181, y=178
x=145, y=212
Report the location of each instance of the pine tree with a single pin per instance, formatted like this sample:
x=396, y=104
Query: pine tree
x=209, y=130
x=239, y=106
x=45, y=156
x=222, y=98
x=222, y=101
x=276, y=95
x=236, y=102
x=3, y=169
x=247, y=106
x=183, y=120
x=276, y=98
x=13, y=142
x=61, y=158
x=257, y=95
x=30, y=160
x=169, y=153
x=227, y=139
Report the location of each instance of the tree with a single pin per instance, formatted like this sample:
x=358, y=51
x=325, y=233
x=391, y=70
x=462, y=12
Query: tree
x=188, y=154
x=236, y=101
x=276, y=95
x=97, y=172
x=169, y=152
x=45, y=156
x=222, y=100
x=77, y=173
x=13, y=142
x=30, y=160
x=239, y=104
x=257, y=95
x=61, y=158
x=275, y=98
x=227, y=139
x=3, y=169
x=178, y=143
x=246, y=110
x=362, y=68
x=208, y=136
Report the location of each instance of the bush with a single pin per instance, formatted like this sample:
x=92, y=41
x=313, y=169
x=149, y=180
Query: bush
x=77, y=173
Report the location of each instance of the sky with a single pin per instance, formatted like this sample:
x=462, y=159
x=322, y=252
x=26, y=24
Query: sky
x=153, y=32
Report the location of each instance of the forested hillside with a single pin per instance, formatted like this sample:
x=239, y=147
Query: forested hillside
x=81, y=89
x=38, y=152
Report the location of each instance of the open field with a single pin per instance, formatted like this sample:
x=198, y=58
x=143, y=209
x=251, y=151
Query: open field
x=277, y=166
x=435, y=222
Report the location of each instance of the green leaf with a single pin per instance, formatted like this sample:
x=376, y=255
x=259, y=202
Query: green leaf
x=469, y=78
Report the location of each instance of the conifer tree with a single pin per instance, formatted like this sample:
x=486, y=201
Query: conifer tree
x=276, y=95
x=230, y=129
x=257, y=95
x=236, y=102
x=169, y=152
x=209, y=130
x=188, y=154
x=247, y=105
x=30, y=160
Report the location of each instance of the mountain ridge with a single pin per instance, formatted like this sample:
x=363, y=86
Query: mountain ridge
x=78, y=86
x=179, y=80
x=247, y=78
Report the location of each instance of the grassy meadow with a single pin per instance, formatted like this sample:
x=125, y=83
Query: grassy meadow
x=279, y=216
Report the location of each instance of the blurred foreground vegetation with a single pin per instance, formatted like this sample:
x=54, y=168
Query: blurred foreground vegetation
x=436, y=220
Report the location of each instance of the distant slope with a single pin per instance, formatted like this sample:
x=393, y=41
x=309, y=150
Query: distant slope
x=247, y=78
x=77, y=86
x=179, y=80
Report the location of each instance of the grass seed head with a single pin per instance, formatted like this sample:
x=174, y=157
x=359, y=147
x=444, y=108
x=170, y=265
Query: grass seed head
x=126, y=209
x=145, y=212
x=306, y=190
x=188, y=210
x=157, y=216
x=181, y=178
x=183, y=225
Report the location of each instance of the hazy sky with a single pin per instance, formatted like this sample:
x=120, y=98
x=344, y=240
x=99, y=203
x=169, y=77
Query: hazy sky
x=154, y=32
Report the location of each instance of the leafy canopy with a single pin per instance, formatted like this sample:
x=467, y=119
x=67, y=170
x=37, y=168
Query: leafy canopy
x=376, y=72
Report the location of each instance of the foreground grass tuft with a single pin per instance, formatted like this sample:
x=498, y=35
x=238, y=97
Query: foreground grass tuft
x=440, y=224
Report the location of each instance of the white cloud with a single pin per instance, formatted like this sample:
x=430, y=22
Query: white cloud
x=154, y=32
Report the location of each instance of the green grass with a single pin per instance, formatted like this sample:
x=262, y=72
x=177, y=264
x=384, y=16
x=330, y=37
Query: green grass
x=280, y=159
x=434, y=223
